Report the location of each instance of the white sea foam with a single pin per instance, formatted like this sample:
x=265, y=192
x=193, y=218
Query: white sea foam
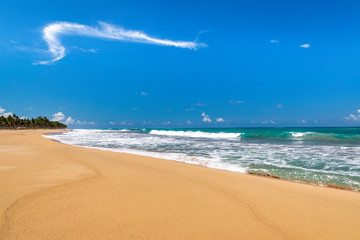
x=87, y=139
x=195, y=134
x=297, y=160
x=299, y=134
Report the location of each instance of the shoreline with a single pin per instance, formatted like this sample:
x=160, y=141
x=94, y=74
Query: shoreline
x=57, y=190
x=265, y=175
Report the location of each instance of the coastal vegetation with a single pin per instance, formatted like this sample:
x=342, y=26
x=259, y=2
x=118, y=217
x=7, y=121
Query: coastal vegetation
x=14, y=122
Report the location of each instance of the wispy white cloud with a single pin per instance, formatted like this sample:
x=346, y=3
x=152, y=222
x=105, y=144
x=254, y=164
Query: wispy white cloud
x=142, y=93
x=200, y=105
x=268, y=122
x=189, y=109
x=220, y=120
x=85, y=123
x=279, y=106
x=274, y=41
x=29, y=108
x=188, y=122
x=135, y=109
x=166, y=123
x=90, y=50
x=236, y=102
x=206, y=118
x=303, y=121
x=306, y=45
x=53, y=31
x=58, y=116
x=112, y=123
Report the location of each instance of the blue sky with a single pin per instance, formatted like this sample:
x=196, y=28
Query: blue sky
x=182, y=64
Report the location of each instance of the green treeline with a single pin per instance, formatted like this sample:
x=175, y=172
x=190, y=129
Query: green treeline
x=13, y=121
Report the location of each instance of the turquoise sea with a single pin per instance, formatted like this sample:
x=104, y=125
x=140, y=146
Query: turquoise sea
x=313, y=155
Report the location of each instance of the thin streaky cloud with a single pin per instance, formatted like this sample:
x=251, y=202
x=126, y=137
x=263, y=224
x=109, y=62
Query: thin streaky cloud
x=236, y=102
x=53, y=31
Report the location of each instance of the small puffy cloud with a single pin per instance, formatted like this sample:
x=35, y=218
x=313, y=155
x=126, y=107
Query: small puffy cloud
x=306, y=45
x=236, y=102
x=188, y=122
x=143, y=93
x=69, y=120
x=23, y=117
x=7, y=114
x=274, y=41
x=303, y=121
x=353, y=117
x=135, y=109
x=29, y=108
x=279, y=106
x=58, y=116
x=220, y=120
x=2, y=110
x=206, y=118
x=112, y=123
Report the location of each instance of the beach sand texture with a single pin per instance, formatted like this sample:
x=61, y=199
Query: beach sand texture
x=49, y=190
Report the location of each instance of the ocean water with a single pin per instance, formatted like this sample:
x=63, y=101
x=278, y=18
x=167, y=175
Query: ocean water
x=314, y=155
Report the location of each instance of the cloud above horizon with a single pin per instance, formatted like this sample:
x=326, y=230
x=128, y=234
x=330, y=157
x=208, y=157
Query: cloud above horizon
x=3, y=113
x=53, y=31
x=58, y=117
x=206, y=117
x=220, y=119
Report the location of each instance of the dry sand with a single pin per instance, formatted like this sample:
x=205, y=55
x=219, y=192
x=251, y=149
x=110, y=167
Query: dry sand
x=49, y=190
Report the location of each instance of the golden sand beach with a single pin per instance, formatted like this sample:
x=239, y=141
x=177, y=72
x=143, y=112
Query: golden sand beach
x=50, y=190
